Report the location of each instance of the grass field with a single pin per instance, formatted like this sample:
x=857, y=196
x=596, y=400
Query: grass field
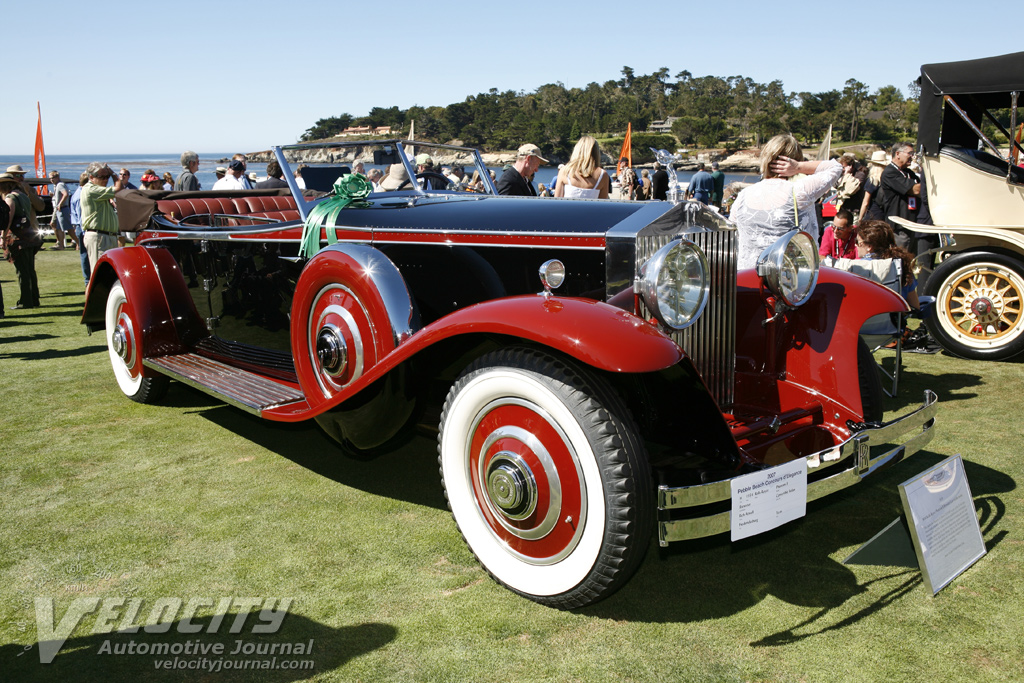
x=192, y=499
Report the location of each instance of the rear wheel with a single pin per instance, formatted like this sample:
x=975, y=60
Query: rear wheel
x=124, y=345
x=978, y=305
x=546, y=477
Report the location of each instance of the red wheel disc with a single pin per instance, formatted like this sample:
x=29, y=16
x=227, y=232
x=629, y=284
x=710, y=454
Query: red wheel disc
x=527, y=481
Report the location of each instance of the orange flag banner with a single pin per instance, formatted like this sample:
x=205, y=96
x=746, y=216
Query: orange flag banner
x=627, y=147
x=40, y=155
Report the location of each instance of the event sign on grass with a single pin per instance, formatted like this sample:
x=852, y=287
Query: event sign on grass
x=943, y=522
x=764, y=500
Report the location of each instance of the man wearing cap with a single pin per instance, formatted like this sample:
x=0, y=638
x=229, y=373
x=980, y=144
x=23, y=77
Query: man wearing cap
x=99, y=221
x=425, y=164
x=61, y=219
x=517, y=180
x=232, y=177
x=243, y=179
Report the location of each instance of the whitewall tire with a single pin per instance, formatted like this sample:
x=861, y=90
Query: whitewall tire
x=124, y=346
x=546, y=477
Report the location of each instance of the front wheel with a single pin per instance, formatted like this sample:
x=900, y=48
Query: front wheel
x=546, y=477
x=124, y=344
x=977, y=312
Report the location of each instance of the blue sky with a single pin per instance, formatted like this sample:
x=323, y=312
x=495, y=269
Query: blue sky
x=163, y=77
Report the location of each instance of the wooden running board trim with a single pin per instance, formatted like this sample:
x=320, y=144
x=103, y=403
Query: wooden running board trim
x=246, y=390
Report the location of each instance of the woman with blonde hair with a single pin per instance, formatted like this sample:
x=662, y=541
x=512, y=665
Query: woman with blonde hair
x=583, y=175
x=869, y=209
x=781, y=202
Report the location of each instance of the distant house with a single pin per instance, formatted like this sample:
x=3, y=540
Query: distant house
x=662, y=126
x=356, y=130
x=365, y=130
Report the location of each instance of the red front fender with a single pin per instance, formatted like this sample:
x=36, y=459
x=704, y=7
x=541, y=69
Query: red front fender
x=593, y=332
x=811, y=355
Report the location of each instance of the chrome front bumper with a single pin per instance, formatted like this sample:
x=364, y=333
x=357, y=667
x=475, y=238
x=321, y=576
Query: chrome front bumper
x=854, y=454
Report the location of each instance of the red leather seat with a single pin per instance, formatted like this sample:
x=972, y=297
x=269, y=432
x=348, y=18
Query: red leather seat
x=281, y=208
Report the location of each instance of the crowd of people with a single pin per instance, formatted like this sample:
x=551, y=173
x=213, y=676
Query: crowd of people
x=87, y=217
x=787, y=197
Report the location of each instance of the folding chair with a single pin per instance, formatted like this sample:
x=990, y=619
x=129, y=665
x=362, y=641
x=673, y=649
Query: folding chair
x=879, y=330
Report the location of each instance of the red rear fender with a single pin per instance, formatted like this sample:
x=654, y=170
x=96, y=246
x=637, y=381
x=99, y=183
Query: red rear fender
x=152, y=281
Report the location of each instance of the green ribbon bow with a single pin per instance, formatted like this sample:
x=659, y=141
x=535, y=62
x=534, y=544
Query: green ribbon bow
x=349, y=189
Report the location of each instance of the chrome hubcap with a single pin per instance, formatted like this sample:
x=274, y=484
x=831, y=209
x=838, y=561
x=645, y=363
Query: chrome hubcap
x=331, y=350
x=118, y=341
x=512, y=486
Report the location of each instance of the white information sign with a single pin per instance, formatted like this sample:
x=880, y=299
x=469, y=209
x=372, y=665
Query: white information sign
x=943, y=522
x=764, y=500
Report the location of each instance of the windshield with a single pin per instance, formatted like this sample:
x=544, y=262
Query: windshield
x=392, y=166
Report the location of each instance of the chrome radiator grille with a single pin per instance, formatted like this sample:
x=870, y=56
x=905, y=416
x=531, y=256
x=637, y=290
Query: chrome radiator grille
x=711, y=341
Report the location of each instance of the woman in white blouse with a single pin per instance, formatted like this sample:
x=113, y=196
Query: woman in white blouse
x=583, y=175
x=781, y=202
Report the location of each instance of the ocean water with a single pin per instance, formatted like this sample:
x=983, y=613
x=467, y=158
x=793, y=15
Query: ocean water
x=72, y=165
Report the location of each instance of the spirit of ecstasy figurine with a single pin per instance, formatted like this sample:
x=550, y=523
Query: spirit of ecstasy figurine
x=663, y=157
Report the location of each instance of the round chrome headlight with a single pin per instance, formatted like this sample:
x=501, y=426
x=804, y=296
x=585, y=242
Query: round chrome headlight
x=552, y=274
x=674, y=283
x=790, y=267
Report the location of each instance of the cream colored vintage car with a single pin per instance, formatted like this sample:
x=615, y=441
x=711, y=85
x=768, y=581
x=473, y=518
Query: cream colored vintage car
x=975, y=192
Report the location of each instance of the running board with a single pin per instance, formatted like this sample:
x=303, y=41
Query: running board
x=242, y=389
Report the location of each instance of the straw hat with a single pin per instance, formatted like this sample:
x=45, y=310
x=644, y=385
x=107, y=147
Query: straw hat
x=397, y=177
x=879, y=158
x=16, y=169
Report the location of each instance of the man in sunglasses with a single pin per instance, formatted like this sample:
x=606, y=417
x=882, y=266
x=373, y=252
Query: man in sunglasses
x=125, y=175
x=899, y=193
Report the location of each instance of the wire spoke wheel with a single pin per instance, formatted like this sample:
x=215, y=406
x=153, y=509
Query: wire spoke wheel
x=979, y=306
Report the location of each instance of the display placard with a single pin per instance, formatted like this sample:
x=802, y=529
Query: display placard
x=943, y=522
x=764, y=500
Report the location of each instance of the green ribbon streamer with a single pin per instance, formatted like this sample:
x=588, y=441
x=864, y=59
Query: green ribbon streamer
x=349, y=190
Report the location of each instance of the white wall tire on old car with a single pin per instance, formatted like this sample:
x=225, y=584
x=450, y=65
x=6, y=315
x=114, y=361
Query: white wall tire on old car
x=124, y=345
x=546, y=477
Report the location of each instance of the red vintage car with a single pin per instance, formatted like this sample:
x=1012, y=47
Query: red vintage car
x=598, y=371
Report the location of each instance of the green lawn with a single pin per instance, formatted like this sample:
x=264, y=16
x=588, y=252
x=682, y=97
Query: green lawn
x=193, y=499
